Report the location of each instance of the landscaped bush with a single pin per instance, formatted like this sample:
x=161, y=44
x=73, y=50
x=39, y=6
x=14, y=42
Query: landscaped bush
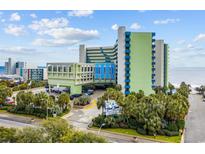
x=38, y=104
x=141, y=131
x=180, y=124
x=171, y=133
x=172, y=126
x=158, y=113
x=82, y=101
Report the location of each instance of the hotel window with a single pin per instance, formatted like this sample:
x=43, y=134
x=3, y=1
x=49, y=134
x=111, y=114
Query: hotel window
x=65, y=69
x=70, y=70
x=54, y=68
x=59, y=68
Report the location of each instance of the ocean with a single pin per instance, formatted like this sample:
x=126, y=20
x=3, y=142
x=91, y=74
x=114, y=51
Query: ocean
x=2, y=68
x=193, y=76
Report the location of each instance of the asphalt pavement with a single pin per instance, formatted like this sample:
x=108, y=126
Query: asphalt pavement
x=195, y=122
x=15, y=124
x=80, y=118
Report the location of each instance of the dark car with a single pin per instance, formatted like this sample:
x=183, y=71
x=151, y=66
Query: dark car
x=90, y=91
x=75, y=96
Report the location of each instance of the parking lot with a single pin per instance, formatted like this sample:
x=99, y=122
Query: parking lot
x=80, y=118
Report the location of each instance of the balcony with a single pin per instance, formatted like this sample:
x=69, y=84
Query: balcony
x=153, y=40
x=127, y=69
x=153, y=57
x=127, y=45
x=127, y=80
x=127, y=39
x=153, y=86
x=127, y=34
x=127, y=57
x=127, y=86
x=153, y=51
x=153, y=34
x=153, y=46
x=127, y=51
x=127, y=74
x=127, y=63
x=153, y=63
x=127, y=92
x=153, y=69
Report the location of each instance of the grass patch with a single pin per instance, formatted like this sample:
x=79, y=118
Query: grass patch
x=25, y=115
x=171, y=139
x=3, y=111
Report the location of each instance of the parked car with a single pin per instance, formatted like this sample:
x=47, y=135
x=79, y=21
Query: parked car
x=75, y=96
x=9, y=101
x=89, y=92
x=60, y=90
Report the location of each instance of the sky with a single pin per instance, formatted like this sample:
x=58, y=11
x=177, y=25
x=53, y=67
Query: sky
x=39, y=37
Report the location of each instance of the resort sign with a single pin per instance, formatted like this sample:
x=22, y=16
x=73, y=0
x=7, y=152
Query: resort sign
x=111, y=107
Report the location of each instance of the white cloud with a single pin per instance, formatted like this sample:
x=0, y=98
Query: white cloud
x=70, y=33
x=33, y=15
x=190, y=46
x=115, y=27
x=15, y=17
x=56, y=32
x=54, y=42
x=200, y=37
x=181, y=42
x=80, y=13
x=17, y=50
x=14, y=30
x=135, y=26
x=166, y=21
x=49, y=23
x=65, y=36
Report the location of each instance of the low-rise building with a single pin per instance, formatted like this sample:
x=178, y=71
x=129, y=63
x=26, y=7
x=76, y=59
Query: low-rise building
x=72, y=75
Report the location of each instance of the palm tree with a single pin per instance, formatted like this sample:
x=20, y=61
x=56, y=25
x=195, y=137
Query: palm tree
x=63, y=101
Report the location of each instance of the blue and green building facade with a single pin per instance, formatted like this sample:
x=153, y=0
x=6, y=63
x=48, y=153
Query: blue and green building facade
x=134, y=55
x=133, y=61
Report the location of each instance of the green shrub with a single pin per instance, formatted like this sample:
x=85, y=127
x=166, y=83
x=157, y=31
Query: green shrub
x=161, y=132
x=180, y=124
x=82, y=101
x=172, y=126
x=99, y=120
x=132, y=123
x=171, y=133
x=141, y=131
x=4, y=108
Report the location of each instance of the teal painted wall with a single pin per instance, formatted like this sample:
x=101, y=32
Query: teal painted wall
x=141, y=62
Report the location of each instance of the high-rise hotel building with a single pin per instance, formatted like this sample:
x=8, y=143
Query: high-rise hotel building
x=137, y=61
x=161, y=63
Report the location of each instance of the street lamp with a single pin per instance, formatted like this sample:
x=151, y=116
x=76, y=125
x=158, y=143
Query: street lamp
x=103, y=124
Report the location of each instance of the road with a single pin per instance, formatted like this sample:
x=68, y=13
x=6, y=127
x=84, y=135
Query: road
x=9, y=123
x=80, y=118
x=195, y=122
